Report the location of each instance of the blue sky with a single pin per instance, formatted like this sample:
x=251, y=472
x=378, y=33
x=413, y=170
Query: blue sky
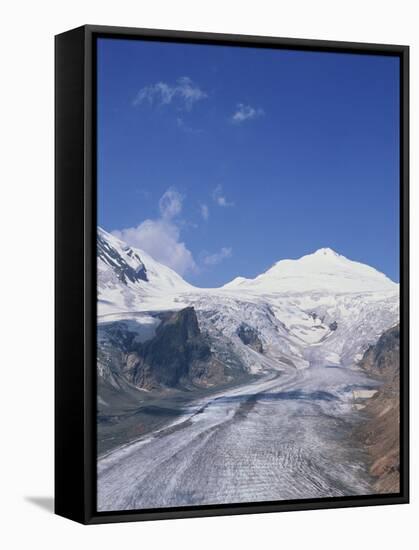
x=220, y=161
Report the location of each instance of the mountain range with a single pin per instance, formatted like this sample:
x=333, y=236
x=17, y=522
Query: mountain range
x=322, y=305
x=129, y=277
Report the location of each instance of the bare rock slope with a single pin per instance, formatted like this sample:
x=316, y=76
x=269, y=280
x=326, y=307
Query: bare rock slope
x=382, y=428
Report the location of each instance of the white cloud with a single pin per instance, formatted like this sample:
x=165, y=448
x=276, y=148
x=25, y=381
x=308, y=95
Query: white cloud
x=220, y=198
x=184, y=92
x=161, y=237
x=246, y=112
x=217, y=257
x=204, y=212
x=170, y=204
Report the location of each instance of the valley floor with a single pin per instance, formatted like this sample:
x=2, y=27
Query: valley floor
x=287, y=435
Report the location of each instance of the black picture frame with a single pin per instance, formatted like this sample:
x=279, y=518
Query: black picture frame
x=75, y=275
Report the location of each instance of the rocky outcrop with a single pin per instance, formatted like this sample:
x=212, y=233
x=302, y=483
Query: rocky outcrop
x=333, y=326
x=178, y=356
x=122, y=269
x=380, y=431
x=383, y=358
x=250, y=337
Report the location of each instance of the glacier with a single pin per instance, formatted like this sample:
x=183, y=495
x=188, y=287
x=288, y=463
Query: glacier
x=285, y=431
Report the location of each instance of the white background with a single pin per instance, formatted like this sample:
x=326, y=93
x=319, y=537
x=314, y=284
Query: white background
x=26, y=288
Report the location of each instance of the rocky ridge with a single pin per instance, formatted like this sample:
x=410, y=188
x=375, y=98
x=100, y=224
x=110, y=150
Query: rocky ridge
x=381, y=430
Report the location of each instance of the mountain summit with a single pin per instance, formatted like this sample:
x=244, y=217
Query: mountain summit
x=323, y=270
x=325, y=252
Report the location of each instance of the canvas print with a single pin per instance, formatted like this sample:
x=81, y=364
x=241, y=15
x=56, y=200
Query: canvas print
x=247, y=274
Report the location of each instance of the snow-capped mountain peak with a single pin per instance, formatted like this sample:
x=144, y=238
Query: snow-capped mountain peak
x=323, y=270
x=129, y=278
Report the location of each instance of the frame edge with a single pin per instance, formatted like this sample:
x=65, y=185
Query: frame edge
x=69, y=476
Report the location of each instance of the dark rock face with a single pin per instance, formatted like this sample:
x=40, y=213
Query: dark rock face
x=250, y=337
x=123, y=271
x=381, y=430
x=175, y=355
x=333, y=326
x=178, y=356
x=383, y=358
